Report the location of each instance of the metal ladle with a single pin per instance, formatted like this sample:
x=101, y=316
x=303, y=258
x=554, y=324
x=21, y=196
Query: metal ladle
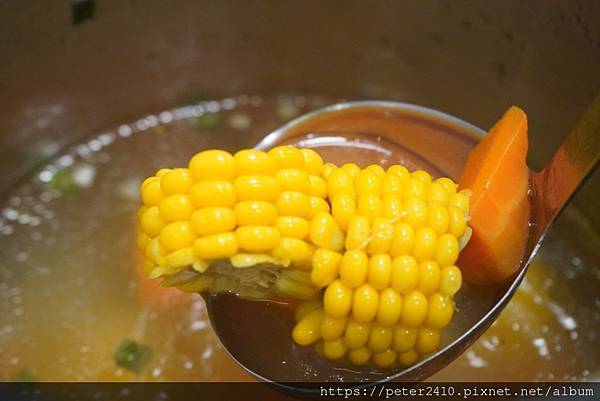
x=254, y=332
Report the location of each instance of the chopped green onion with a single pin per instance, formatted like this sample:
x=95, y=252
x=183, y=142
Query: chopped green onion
x=63, y=182
x=208, y=121
x=132, y=355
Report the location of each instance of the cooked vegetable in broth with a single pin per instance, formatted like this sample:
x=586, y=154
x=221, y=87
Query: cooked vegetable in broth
x=74, y=304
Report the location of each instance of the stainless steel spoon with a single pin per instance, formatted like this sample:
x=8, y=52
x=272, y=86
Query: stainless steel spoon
x=245, y=327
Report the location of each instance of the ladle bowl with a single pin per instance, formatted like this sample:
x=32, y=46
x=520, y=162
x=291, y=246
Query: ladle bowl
x=386, y=133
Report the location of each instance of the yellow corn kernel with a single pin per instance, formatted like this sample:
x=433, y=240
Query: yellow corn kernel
x=332, y=329
x=293, y=179
x=437, y=194
x=334, y=349
x=380, y=271
x=140, y=213
x=352, y=169
x=216, y=246
x=161, y=172
x=376, y=168
x=337, y=299
x=359, y=232
x=176, y=208
x=450, y=280
x=407, y=358
x=429, y=277
x=354, y=268
x=356, y=334
x=292, y=226
x=249, y=213
x=142, y=241
x=422, y=176
x=405, y=273
x=293, y=249
x=343, y=208
x=325, y=232
x=313, y=163
x=200, y=266
x=148, y=267
x=415, y=212
x=438, y=219
x=213, y=193
x=391, y=207
x=382, y=234
x=155, y=271
x=399, y=170
x=257, y=187
x=243, y=260
x=328, y=168
x=460, y=201
x=428, y=340
x=293, y=203
x=369, y=205
x=151, y=222
x=447, y=250
x=391, y=185
x=364, y=304
x=251, y=161
x=317, y=205
x=414, y=188
x=305, y=308
x=212, y=165
x=380, y=338
x=404, y=339
x=425, y=244
x=257, y=238
x=458, y=223
x=389, y=308
x=308, y=329
x=176, y=235
x=151, y=192
x=317, y=186
x=287, y=157
x=384, y=359
x=213, y=220
x=359, y=356
x=440, y=311
x=414, y=309
x=180, y=258
x=340, y=181
x=367, y=181
x=306, y=264
x=176, y=181
x=448, y=184
x=154, y=251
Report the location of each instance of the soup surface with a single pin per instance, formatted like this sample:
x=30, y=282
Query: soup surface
x=71, y=294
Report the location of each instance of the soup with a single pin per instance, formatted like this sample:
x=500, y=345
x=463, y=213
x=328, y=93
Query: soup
x=71, y=294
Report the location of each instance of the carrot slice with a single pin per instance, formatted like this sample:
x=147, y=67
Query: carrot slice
x=497, y=174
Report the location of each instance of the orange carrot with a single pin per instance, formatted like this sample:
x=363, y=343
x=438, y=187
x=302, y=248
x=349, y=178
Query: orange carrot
x=497, y=174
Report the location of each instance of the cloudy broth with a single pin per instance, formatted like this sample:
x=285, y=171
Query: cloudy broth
x=71, y=292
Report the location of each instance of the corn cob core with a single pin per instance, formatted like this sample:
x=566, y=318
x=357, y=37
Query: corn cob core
x=372, y=251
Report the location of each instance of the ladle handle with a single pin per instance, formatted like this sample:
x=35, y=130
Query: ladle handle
x=575, y=159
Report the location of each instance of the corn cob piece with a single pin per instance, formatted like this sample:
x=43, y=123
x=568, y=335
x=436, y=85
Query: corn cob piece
x=372, y=251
